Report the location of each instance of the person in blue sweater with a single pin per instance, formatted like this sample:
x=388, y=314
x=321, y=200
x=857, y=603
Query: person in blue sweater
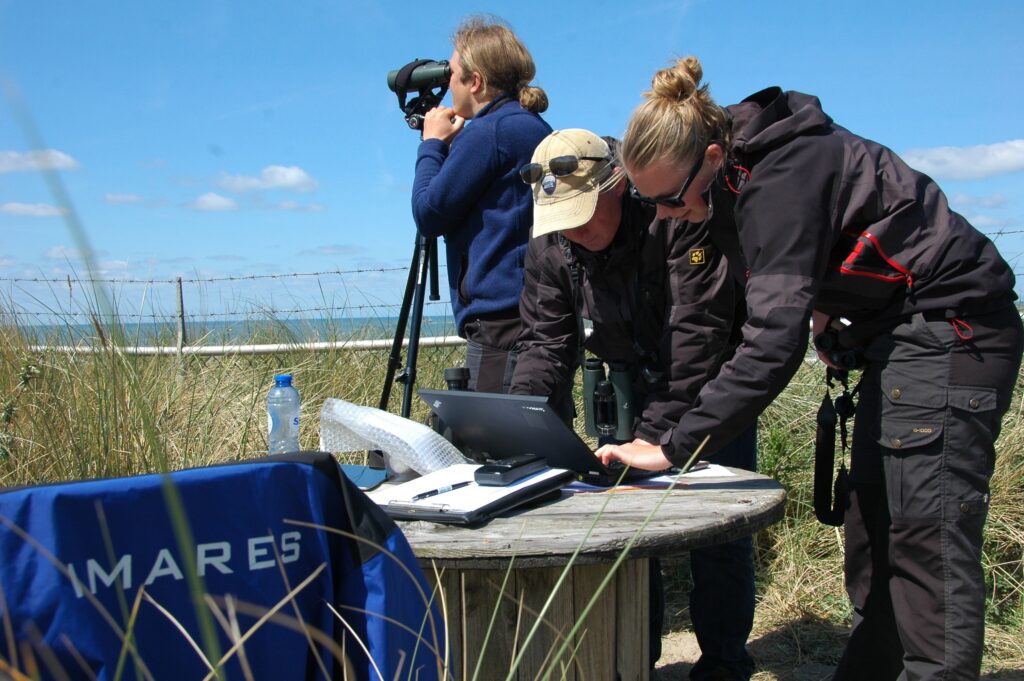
x=467, y=190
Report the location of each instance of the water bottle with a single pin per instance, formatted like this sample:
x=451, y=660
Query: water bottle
x=283, y=416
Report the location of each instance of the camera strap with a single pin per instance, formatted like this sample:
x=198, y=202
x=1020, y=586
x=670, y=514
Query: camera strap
x=402, y=79
x=576, y=283
x=831, y=499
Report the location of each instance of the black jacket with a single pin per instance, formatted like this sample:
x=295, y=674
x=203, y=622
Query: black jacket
x=659, y=297
x=824, y=219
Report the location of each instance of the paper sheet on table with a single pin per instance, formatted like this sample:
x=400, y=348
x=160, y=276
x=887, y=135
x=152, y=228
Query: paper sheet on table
x=661, y=481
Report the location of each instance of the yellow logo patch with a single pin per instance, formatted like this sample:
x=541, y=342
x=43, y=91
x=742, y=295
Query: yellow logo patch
x=697, y=256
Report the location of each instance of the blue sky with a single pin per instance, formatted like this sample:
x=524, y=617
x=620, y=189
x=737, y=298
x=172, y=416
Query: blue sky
x=220, y=139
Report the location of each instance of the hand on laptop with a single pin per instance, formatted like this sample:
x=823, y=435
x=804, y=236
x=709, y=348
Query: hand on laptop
x=638, y=454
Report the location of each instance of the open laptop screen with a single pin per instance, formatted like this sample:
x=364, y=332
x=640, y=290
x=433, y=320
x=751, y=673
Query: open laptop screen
x=496, y=426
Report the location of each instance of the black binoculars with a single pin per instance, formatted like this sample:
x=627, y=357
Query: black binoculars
x=457, y=378
x=608, y=400
x=426, y=77
x=830, y=344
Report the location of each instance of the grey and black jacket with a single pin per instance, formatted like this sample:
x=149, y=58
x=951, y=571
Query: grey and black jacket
x=659, y=298
x=812, y=216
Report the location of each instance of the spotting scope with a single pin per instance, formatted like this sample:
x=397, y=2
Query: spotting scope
x=425, y=77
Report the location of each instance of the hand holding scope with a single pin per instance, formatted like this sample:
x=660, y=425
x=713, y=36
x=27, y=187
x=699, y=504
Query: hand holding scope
x=429, y=79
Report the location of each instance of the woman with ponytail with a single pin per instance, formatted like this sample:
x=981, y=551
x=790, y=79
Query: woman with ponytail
x=820, y=223
x=467, y=189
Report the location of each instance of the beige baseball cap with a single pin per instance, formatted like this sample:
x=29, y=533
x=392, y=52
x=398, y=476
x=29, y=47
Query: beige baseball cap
x=568, y=201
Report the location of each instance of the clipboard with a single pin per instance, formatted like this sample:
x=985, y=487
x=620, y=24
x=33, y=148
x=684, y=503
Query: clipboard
x=452, y=496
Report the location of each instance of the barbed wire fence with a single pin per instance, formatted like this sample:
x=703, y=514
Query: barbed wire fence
x=192, y=324
x=65, y=306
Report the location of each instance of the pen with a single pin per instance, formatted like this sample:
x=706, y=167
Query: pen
x=441, y=490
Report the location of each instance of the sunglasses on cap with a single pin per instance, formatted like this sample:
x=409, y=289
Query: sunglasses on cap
x=559, y=166
x=676, y=201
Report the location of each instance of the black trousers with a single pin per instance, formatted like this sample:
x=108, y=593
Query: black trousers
x=491, y=350
x=931, y=402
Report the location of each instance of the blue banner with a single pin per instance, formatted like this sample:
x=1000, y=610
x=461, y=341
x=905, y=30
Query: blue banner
x=301, y=575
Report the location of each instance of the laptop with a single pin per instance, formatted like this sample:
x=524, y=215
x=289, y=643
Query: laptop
x=494, y=426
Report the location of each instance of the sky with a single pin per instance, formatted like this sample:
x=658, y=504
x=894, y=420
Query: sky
x=237, y=141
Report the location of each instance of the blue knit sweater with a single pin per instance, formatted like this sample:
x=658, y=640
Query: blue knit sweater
x=471, y=194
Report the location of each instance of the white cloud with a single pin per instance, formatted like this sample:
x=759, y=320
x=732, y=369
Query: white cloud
x=63, y=253
x=32, y=210
x=968, y=163
x=213, y=202
x=300, y=207
x=116, y=198
x=271, y=177
x=7, y=262
x=986, y=222
x=990, y=201
x=333, y=249
x=27, y=161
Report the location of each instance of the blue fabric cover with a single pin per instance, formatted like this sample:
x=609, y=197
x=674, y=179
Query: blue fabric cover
x=115, y=537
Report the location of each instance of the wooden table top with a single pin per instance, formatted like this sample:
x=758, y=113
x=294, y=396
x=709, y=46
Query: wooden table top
x=701, y=512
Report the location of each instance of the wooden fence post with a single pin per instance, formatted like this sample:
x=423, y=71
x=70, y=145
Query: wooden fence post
x=181, y=320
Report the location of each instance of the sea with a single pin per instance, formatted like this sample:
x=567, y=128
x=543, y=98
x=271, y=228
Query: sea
x=238, y=332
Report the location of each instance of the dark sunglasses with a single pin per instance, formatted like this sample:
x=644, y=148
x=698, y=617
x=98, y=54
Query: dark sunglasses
x=560, y=166
x=676, y=201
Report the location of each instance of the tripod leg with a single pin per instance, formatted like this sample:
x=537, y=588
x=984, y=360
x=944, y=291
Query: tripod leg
x=395, y=358
x=375, y=458
x=427, y=248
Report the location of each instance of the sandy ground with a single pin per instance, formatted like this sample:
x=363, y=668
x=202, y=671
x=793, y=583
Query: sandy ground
x=679, y=651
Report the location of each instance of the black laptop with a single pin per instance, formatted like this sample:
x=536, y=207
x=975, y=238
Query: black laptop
x=493, y=426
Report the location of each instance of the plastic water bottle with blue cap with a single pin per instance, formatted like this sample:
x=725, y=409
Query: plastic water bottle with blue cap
x=283, y=416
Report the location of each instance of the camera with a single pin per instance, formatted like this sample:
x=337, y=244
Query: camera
x=608, y=400
x=428, y=79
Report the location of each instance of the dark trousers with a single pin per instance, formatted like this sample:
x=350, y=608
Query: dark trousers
x=722, y=598
x=491, y=342
x=922, y=457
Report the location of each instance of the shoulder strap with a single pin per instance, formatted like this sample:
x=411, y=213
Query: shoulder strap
x=576, y=281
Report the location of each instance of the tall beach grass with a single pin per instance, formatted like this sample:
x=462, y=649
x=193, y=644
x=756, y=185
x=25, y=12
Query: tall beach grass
x=68, y=416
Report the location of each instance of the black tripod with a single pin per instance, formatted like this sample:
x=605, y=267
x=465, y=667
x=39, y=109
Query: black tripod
x=424, y=263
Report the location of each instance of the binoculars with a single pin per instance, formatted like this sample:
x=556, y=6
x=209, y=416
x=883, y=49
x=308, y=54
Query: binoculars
x=426, y=77
x=830, y=344
x=457, y=378
x=608, y=400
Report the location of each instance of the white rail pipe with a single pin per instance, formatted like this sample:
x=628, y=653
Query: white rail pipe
x=268, y=349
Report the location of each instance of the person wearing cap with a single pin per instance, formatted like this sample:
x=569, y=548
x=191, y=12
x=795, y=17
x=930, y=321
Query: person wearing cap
x=467, y=190
x=662, y=304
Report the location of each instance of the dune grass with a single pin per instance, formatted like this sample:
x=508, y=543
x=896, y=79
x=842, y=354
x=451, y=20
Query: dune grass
x=74, y=416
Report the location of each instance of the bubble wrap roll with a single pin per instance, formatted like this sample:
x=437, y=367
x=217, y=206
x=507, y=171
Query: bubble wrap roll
x=347, y=427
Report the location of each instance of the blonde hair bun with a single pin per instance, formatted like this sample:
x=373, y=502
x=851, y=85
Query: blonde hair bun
x=678, y=82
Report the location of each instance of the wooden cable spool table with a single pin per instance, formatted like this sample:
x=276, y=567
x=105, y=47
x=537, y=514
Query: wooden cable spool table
x=529, y=550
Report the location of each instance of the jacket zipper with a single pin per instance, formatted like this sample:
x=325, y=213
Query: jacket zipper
x=904, y=273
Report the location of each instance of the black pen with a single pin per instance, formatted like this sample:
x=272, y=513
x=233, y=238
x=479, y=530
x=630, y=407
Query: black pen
x=440, y=490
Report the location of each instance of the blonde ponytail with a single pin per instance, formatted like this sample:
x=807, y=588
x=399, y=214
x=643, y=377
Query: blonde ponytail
x=488, y=47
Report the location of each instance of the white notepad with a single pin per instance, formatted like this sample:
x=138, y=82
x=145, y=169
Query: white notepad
x=467, y=503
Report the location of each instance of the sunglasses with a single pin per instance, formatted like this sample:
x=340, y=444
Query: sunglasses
x=676, y=201
x=560, y=166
